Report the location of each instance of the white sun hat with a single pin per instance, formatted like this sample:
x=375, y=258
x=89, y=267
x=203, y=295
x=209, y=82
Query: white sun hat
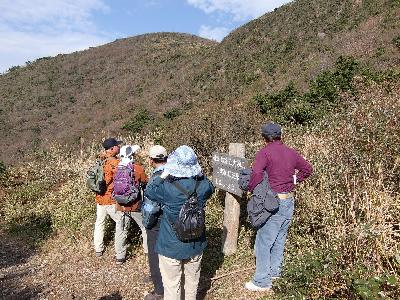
x=127, y=153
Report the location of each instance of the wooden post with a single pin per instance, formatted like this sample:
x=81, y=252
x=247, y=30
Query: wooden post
x=232, y=210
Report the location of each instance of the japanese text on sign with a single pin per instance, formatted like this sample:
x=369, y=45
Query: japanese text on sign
x=226, y=170
x=226, y=160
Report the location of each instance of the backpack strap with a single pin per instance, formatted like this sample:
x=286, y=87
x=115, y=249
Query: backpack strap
x=131, y=166
x=183, y=190
x=159, y=172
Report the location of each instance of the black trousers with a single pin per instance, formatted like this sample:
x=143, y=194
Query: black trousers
x=155, y=273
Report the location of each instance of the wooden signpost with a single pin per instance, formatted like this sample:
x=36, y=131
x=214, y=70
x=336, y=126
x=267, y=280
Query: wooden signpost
x=226, y=170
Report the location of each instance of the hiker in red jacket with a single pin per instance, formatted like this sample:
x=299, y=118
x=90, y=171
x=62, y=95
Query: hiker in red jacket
x=105, y=204
x=285, y=168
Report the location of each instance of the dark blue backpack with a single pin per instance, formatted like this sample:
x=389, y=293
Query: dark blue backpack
x=151, y=211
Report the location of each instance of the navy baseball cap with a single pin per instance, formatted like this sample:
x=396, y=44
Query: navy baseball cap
x=111, y=142
x=271, y=130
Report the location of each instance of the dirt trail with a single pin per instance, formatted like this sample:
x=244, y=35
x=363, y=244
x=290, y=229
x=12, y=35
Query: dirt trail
x=67, y=270
x=61, y=271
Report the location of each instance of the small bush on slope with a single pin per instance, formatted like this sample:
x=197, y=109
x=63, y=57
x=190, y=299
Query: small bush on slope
x=291, y=106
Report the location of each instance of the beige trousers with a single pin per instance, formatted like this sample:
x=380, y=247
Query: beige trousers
x=178, y=274
x=137, y=216
x=120, y=232
x=121, y=229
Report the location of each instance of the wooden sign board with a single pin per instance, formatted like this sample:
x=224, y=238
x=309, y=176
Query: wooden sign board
x=226, y=170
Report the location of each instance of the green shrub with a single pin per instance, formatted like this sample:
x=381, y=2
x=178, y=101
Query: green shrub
x=326, y=87
x=375, y=287
x=140, y=120
x=395, y=3
x=290, y=106
x=286, y=106
x=346, y=69
x=278, y=100
x=43, y=58
x=321, y=274
x=298, y=111
x=3, y=167
x=72, y=99
x=13, y=68
x=34, y=229
x=3, y=173
x=396, y=41
x=380, y=51
x=172, y=113
x=322, y=89
x=304, y=271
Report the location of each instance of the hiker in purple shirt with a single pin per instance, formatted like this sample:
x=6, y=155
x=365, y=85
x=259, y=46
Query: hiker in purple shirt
x=285, y=168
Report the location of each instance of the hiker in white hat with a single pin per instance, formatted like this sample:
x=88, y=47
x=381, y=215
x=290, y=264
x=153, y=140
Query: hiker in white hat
x=151, y=213
x=132, y=210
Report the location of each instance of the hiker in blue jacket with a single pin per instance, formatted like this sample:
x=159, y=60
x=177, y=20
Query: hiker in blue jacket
x=177, y=258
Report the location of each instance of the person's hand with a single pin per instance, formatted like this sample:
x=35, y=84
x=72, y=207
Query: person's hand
x=164, y=175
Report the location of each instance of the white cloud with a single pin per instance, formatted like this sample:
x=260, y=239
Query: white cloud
x=19, y=47
x=37, y=28
x=70, y=13
x=213, y=33
x=240, y=10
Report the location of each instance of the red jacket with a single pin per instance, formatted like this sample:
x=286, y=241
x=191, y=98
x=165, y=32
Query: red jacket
x=281, y=163
x=110, y=168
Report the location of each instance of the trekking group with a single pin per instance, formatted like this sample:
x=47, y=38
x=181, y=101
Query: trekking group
x=169, y=209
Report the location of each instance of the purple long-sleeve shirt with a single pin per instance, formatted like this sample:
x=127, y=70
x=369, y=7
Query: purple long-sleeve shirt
x=281, y=163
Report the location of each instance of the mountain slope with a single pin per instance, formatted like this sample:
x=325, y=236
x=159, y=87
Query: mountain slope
x=81, y=94
x=295, y=44
x=155, y=78
x=300, y=40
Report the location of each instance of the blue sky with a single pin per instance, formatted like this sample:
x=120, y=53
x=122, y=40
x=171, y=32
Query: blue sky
x=30, y=29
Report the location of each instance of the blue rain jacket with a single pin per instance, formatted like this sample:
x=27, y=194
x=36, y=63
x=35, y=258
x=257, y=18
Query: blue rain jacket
x=171, y=199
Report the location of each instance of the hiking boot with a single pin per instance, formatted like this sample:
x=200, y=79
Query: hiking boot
x=119, y=261
x=99, y=254
x=255, y=288
x=153, y=296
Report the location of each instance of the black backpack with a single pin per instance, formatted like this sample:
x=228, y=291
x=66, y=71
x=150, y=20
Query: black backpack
x=190, y=223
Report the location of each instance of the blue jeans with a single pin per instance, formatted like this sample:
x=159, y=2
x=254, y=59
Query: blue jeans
x=270, y=242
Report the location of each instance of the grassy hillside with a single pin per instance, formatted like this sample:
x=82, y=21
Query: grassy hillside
x=298, y=41
x=97, y=90
x=151, y=79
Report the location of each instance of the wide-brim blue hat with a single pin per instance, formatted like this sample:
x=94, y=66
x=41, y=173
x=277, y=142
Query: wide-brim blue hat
x=183, y=163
